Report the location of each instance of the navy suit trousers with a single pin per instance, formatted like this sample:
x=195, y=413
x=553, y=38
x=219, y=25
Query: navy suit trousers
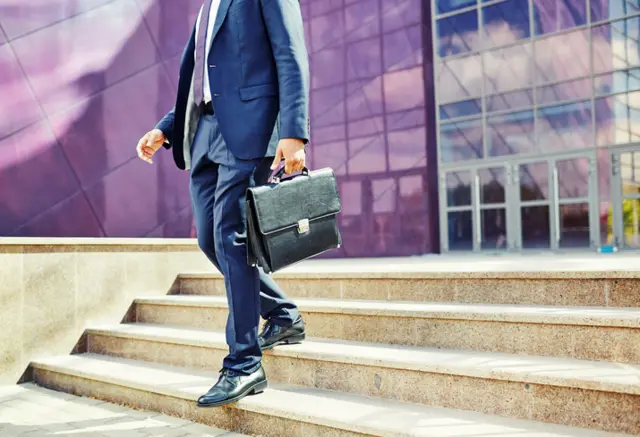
x=218, y=185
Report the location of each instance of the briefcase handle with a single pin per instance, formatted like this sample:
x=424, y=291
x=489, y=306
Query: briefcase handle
x=277, y=176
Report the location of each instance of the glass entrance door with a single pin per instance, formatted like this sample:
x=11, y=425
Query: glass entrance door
x=475, y=209
x=625, y=196
x=536, y=204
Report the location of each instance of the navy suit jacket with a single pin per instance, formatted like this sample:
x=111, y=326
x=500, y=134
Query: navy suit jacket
x=259, y=74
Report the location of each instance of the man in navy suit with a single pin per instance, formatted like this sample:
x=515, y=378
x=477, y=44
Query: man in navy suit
x=242, y=108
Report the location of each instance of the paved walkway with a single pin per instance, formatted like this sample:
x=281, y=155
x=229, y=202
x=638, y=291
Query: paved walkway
x=31, y=411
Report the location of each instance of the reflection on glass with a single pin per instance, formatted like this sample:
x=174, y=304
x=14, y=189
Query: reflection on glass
x=510, y=134
x=617, y=82
x=505, y=22
x=571, y=90
x=555, y=15
x=573, y=178
x=460, y=229
x=574, y=225
x=494, y=229
x=508, y=68
x=615, y=45
x=630, y=173
x=562, y=57
x=460, y=109
x=631, y=217
x=412, y=194
x=458, y=188
x=461, y=141
x=459, y=79
x=384, y=195
x=618, y=119
x=510, y=100
x=534, y=182
x=445, y=6
x=458, y=34
x=536, y=232
x=608, y=9
x=492, y=181
x=565, y=127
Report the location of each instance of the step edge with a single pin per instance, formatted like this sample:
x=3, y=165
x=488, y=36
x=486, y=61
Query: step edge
x=284, y=413
x=627, y=322
x=292, y=352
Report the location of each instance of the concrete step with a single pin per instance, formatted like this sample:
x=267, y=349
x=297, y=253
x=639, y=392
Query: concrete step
x=420, y=283
x=590, y=394
x=282, y=410
x=590, y=333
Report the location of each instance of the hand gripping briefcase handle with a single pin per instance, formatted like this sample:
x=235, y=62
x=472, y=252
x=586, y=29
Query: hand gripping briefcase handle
x=277, y=176
x=293, y=219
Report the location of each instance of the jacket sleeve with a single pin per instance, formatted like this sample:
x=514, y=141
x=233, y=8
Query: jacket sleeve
x=166, y=126
x=283, y=19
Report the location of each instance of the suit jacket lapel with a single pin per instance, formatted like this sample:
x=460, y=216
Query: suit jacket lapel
x=221, y=15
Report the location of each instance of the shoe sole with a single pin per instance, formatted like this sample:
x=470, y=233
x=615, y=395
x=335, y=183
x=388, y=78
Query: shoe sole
x=294, y=339
x=255, y=390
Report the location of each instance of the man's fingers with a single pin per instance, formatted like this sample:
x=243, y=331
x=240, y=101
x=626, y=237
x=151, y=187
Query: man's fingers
x=277, y=159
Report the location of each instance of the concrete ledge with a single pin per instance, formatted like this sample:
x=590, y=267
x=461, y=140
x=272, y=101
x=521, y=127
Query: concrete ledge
x=51, y=288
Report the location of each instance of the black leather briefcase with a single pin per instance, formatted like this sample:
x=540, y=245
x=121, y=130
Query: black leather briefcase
x=291, y=220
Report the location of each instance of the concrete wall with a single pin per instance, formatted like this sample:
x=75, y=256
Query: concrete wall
x=50, y=290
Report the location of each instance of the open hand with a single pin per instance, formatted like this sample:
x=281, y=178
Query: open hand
x=149, y=144
x=292, y=151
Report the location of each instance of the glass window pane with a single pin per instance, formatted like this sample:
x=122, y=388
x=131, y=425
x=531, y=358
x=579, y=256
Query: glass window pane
x=574, y=225
x=510, y=100
x=460, y=231
x=461, y=141
x=555, y=15
x=631, y=222
x=459, y=79
x=573, y=178
x=505, y=22
x=460, y=109
x=618, y=119
x=617, y=82
x=534, y=182
x=508, y=68
x=492, y=182
x=413, y=197
x=384, y=195
x=559, y=92
x=458, y=34
x=458, y=188
x=602, y=10
x=564, y=127
x=615, y=45
x=536, y=232
x=494, y=229
x=562, y=57
x=445, y=6
x=510, y=134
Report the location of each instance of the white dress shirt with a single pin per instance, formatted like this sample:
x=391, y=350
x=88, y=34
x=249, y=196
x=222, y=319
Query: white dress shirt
x=212, y=20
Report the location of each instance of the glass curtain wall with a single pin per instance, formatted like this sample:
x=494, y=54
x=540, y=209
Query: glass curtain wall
x=534, y=100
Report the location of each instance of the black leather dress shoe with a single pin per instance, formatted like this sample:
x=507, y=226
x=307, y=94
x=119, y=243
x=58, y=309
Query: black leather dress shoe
x=231, y=387
x=273, y=335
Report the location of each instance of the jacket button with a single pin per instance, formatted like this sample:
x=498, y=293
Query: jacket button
x=216, y=95
x=213, y=65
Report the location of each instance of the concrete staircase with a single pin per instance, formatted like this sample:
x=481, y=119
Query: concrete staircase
x=411, y=353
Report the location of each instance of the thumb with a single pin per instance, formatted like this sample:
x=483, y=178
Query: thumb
x=277, y=159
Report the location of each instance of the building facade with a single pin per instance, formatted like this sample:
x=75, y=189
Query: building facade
x=452, y=125
x=538, y=124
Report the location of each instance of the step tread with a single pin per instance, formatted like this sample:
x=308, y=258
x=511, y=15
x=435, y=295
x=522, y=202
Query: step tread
x=592, y=316
x=322, y=407
x=567, y=372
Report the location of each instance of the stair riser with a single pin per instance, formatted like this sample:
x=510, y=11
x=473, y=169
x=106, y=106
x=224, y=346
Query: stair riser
x=565, y=292
x=583, y=342
x=570, y=406
x=233, y=419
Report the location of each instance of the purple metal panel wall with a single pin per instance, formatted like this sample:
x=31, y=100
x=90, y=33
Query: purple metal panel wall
x=81, y=80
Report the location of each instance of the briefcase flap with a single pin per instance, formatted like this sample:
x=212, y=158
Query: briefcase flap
x=292, y=201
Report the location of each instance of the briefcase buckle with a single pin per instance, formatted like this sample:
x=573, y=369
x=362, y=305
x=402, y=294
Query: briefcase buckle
x=303, y=226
